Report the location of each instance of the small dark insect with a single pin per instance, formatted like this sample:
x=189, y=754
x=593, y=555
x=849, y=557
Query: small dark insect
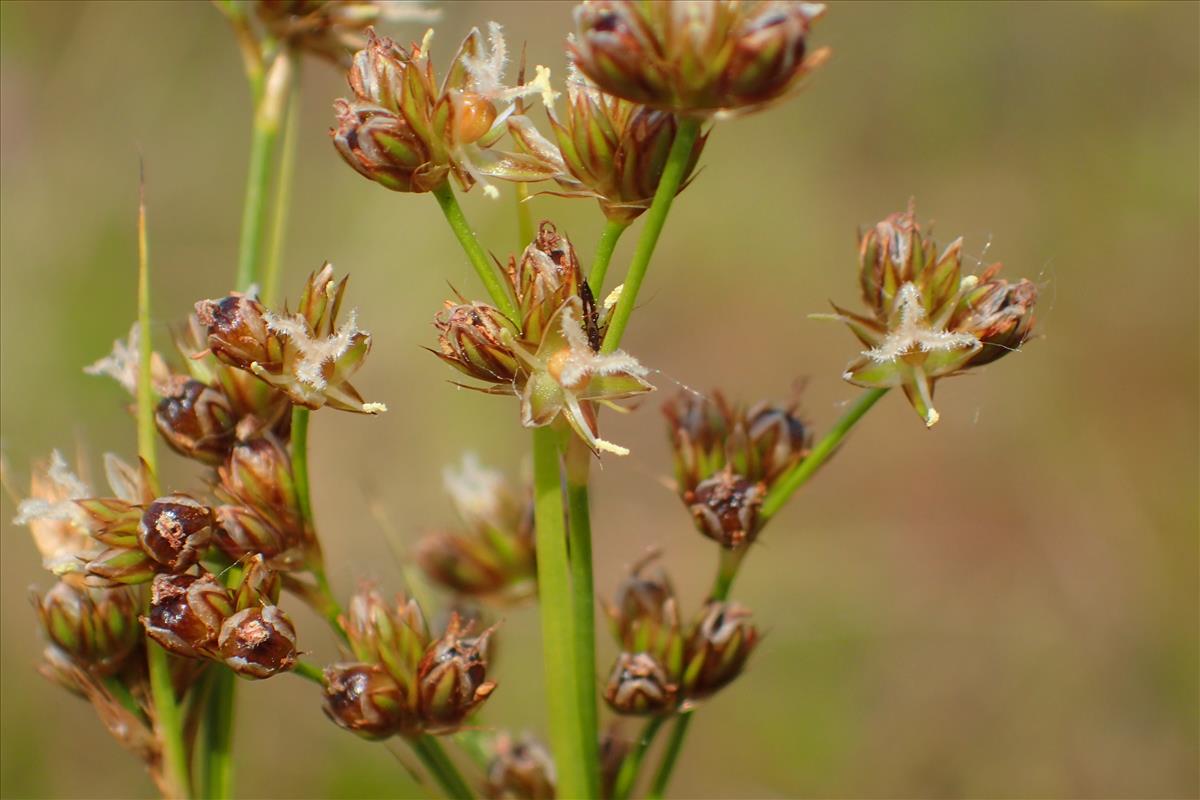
x=591, y=318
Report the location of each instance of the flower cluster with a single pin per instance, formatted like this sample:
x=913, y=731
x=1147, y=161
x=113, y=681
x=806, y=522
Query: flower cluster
x=519, y=768
x=696, y=58
x=405, y=682
x=332, y=29
x=492, y=554
x=408, y=133
x=551, y=357
x=195, y=616
x=727, y=457
x=664, y=665
x=925, y=319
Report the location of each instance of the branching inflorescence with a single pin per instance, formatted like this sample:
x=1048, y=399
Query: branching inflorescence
x=163, y=596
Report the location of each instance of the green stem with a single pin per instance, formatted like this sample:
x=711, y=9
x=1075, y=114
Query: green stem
x=675, y=744
x=216, y=776
x=268, y=114
x=555, y=604
x=479, y=259
x=789, y=482
x=122, y=695
x=627, y=776
x=727, y=569
x=668, y=186
x=168, y=722
x=524, y=218
x=283, y=191
x=146, y=433
x=579, y=542
x=604, y=253
x=430, y=751
x=300, y=463
x=310, y=672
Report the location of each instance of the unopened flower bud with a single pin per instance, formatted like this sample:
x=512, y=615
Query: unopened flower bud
x=453, y=677
x=999, y=314
x=717, y=649
x=698, y=57
x=382, y=147
x=645, y=615
x=639, y=685
x=237, y=331
x=394, y=635
x=520, y=769
x=364, y=699
x=96, y=628
x=471, y=338
x=243, y=532
x=175, y=530
x=258, y=642
x=777, y=440
x=186, y=613
x=258, y=475
x=725, y=508
x=114, y=566
x=197, y=421
x=546, y=276
x=260, y=585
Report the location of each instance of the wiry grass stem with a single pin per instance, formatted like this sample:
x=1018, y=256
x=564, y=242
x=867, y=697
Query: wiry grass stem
x=604, y=253
x=579, y=540
x=283, y=190
x=674, y=745
x=656, y=217
x=216, y=768
x=430, y=751
x=628, y=774
x=470, y=245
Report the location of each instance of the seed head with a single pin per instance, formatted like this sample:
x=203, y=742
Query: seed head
x=197, y=421
x=174, y=531
x=364, y=699
x=95, y=628
x=638, y=685
x=258, y=642
x=186, y=613
x=520, y=768
x=695, y=57
x=725, y=508
x=717, y=649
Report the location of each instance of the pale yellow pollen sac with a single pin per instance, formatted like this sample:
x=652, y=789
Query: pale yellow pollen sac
x=558, y=363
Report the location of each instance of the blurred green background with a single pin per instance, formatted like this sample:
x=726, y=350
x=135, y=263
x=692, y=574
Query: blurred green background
x=1005, y=606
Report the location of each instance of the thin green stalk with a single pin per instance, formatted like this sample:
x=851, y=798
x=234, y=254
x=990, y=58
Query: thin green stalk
x=555, y=604
x=300, y=463
x=167, y=720
x=727, y=568
x=656, y=217
x=579, y=542
x=283, y=191
x=268, y=115
x=628, y=774
x=216, y=768
x=310, y=672
x=793, y=480
x=524, y=217
x=430, y=751
x=661, y=778
x=604, y=253
x=479, y=259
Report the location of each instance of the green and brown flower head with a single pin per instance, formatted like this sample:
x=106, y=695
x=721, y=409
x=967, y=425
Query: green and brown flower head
x=492, y=553
x=519, y=768
x=614, y=150
x=306, y=355
x=696, y=57
x=333, y=29
x=645, y=614
x=717, y=649
x=425, y=685
x=408, y=133
x=728, y=456
x=552, y=361
x=95, y=628
x=925, y=319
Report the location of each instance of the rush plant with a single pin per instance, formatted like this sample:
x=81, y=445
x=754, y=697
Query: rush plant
x=164, y=598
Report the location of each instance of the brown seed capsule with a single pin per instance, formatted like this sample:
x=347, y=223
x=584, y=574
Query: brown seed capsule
x=725, y=508
x=475, y=338
x=638, y=685
x=520, y=768
x=175, y=530
x=364, y=699
x=999, y=314
x=381, y=146
x=452, y=677
x=237, y=331
x=95, y=628
x=258, y=642
x=717, y=649
x=186, y=613
x=197, y=421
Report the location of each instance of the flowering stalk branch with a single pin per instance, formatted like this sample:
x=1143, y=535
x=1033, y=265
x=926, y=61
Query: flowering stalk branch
x=268, y=116
x=430, y=751
x=555, y=604
x=627, y=776
x=674, y=745
x=216, y=776
x=310, y=672
x=283, y=190
x=668, y=186
x=479, y=259
x=579, y=541
x=604, y=253
x=799, y=475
